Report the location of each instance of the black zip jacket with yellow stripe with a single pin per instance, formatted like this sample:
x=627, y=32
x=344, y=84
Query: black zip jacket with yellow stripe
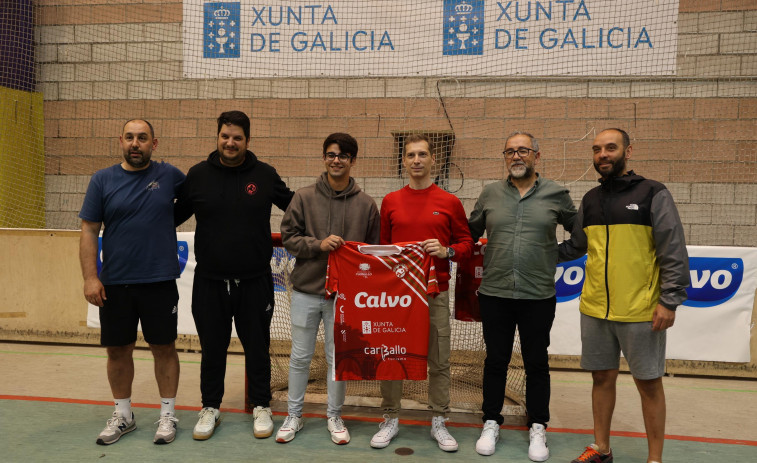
x=637, y=257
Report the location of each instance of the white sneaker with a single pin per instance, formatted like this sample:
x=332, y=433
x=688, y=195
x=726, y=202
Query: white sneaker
x=209, y=420
x=487, y=443
x=166, y=432
x=116, y=427
x=387, y=430
x=339, y=433
x=537, y=449
x=262, y=423
x=443, y=438
x=291, y=425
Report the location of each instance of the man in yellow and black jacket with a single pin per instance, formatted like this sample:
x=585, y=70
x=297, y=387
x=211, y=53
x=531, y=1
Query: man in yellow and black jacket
x=637, y=271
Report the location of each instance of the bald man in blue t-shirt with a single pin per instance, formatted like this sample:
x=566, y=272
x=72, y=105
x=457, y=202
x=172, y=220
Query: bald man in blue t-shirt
x=134, y=200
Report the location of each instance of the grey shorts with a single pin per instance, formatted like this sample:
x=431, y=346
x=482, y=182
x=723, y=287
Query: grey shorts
x=602, y=341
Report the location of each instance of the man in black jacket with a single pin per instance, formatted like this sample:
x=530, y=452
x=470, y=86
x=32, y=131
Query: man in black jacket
x=231, y=195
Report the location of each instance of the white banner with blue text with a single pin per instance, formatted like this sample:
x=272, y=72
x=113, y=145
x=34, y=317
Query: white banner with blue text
x=450, y=38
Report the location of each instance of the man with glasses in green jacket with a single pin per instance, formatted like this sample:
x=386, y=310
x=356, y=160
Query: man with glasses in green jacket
x=520, y=216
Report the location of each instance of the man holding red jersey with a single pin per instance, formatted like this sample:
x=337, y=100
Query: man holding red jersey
x=421, y=211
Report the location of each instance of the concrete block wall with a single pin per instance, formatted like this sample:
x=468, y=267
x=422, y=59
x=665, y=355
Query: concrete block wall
x=101, y=63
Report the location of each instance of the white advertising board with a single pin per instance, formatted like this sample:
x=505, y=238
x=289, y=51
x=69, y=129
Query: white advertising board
x=454, y=38
x=714, y=324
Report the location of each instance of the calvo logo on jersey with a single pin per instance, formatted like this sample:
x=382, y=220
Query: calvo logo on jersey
x=714, y=280
x=569, y=279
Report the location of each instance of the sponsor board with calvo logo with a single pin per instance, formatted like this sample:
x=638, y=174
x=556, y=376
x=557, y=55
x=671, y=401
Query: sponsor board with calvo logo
x=713, y=324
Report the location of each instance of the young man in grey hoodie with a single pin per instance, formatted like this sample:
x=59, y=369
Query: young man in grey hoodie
x=320, y=218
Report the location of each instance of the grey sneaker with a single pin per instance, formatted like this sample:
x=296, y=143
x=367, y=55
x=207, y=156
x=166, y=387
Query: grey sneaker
x=292, y=424
x=387, y=430
x=441, y=435
x=209, y=420
x=166, y=432
x=262, y=423
x=116, y=427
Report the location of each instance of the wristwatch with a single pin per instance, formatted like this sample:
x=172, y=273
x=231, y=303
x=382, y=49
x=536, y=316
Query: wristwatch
x=450, y=253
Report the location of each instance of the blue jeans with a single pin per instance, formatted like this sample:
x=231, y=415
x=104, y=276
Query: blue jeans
x=306, y=312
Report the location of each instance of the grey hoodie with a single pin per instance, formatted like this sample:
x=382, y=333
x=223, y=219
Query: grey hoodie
x=317, y=211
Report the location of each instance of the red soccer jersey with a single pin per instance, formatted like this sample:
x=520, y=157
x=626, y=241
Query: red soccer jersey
x=381, y=310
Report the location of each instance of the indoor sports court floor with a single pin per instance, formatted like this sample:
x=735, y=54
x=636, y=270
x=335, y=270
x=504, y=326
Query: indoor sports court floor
x=54, y=400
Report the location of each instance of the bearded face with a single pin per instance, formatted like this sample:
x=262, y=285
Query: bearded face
x=610, y=154
x=611, y=167
x=137, y=143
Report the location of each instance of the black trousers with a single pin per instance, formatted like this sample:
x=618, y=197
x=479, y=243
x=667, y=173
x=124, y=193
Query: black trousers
x=250, y=304
x=533, y=318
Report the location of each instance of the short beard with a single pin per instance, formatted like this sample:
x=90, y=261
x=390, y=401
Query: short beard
x=137, y=164
x=617, y=167
x=527, y=172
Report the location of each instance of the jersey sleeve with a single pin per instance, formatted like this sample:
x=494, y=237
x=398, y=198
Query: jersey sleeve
x=332, y=278
x=432, y=285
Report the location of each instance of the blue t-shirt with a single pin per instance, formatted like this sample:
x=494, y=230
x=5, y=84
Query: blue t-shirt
x=139, y=240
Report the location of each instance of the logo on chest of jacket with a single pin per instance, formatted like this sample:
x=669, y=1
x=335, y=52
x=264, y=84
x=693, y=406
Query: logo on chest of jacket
x=251, y=189
x=152, y=186
x=632, y=207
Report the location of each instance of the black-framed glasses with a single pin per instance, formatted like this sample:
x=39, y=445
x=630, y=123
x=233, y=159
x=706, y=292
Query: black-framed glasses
x=342, y=156
x=523, y=152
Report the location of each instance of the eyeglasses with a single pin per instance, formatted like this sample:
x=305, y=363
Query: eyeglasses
x=342, y=156
x=522, y=152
